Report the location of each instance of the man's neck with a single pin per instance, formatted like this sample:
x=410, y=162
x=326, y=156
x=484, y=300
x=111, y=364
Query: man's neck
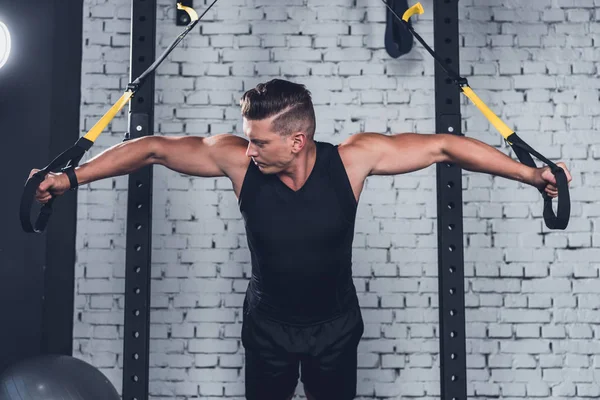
x=296, y=176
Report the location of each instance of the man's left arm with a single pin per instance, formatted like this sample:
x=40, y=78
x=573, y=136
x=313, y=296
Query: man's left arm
x=407, y=152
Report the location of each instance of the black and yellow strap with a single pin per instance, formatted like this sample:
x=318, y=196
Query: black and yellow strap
x=69, y=159
x=523, y=151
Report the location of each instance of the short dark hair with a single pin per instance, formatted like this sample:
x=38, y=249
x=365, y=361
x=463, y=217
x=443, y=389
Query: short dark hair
x=292, y=101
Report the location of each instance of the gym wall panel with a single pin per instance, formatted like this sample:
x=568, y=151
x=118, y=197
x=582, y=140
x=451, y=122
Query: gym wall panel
x=39, y=117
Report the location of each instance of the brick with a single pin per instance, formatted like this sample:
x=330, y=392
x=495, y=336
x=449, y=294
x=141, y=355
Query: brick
x=527, y=287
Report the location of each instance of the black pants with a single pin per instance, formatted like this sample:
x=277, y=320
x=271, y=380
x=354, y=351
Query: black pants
x=323, y=355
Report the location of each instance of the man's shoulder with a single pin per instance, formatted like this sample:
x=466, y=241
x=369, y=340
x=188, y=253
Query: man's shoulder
x=357, y=153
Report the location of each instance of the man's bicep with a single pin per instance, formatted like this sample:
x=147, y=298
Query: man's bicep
x=403, y=153
x=200, y=156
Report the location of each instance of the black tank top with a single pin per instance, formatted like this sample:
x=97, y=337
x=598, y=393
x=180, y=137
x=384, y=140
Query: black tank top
x=300, y=242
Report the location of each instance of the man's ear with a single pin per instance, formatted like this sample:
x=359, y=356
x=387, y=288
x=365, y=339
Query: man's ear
x=298, y=141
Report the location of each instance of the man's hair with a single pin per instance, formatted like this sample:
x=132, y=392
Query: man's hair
x=291, y=102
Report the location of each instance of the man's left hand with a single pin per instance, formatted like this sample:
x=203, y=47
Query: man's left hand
x=544, y=179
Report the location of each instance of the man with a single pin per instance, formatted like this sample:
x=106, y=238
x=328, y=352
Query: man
x=298, y=198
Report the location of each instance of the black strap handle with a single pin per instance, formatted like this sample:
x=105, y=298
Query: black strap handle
x=68, y=159
x=560, y=220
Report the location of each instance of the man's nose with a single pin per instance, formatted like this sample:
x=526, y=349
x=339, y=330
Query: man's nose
x=251, y=151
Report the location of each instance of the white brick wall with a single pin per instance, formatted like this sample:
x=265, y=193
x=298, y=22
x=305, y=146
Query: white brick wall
x=532, y=294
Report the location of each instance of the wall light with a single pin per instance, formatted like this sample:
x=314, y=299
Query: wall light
x=4, y=44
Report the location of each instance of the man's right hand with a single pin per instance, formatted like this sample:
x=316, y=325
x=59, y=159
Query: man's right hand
x=53, y=185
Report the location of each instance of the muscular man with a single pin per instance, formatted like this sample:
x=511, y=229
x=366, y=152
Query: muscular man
x=298, y=198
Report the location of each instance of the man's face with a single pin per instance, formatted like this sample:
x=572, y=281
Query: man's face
x=271, y=152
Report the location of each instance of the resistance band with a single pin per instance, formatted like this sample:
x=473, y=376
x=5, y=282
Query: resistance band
x=560, y=220
x=69, y=159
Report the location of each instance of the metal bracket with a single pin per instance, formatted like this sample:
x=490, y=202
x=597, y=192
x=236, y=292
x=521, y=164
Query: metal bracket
x=182, y=18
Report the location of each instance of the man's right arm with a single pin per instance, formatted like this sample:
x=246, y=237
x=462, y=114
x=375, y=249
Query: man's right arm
x=211, y=156
x=219, y=155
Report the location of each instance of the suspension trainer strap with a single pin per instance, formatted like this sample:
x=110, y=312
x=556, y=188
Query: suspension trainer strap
x=522, y=150
x=70, y=158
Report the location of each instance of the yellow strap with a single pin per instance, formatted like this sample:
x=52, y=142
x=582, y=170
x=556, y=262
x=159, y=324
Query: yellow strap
x=97, y=129
x=416, y=9
x=489, y=114
x=193, y=14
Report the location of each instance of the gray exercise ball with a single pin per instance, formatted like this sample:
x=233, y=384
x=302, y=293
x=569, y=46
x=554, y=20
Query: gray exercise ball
x=55, y=377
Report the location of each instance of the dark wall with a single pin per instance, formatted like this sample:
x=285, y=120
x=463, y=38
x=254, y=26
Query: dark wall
x=39, y=118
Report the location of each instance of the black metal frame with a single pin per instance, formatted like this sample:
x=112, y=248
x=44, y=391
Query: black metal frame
x=453, y=368
x=450, y=218
x=136, y=345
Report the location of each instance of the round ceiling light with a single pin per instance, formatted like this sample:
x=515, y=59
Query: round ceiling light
x=4, y=44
